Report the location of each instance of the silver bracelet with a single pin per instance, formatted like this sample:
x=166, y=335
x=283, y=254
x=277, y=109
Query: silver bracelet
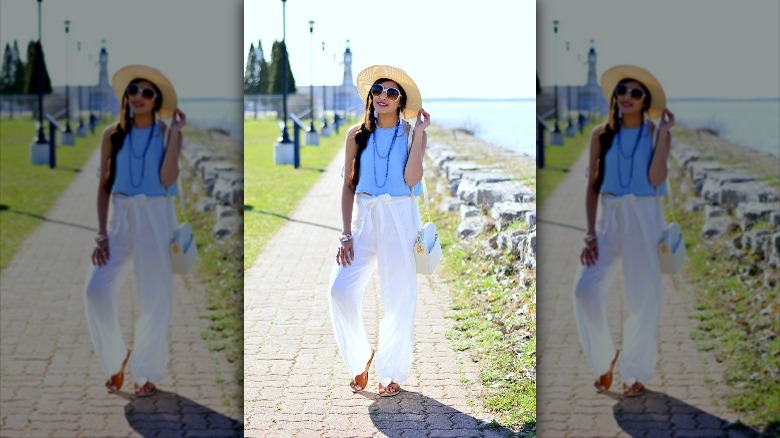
x=345, y=238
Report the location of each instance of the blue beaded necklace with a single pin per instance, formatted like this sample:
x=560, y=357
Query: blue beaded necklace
x=142, y=156
x=378, y=156
x=630, y=156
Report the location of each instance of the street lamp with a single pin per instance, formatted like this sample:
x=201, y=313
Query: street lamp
x=67, y=139
x=312, y=138
x=284, y=150
x=82, y=130
x=325, y=128
x=41, y=152
x=570, y=131
x=556, y=137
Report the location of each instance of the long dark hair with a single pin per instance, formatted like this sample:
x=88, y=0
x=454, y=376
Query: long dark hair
x=613, y=126
x=367, y=127
x=123, y=127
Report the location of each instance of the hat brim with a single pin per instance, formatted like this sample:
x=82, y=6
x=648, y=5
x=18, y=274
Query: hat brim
x=367, y=77
x=613, y=76
x=127, y=74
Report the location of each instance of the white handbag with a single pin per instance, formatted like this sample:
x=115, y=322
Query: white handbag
x=671, y=248
x=183, y=250
x=427, y=248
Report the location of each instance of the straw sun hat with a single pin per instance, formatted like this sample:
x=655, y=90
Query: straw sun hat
x=366, y=78
x=127, y=74
x=614, y=75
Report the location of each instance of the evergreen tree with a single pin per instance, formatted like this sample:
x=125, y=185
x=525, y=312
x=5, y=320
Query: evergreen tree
x=19, y=71
x=251, y=74
x=35, y=64
x=264, y=78
x=6, y=73
x=276, y=85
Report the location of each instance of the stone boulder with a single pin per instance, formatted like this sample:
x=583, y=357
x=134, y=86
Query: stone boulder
x=449, y=204
x=467, y=211
x=748, y=213
x=715, y=227
x=472, y=227
x=227, y=227
x=505, y=213
x=229, y=188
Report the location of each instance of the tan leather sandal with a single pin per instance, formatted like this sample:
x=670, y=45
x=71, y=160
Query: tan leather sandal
x=605, y=380
x=360, y=381
x=145, y=391
x=390, y=390
x=634, y=390
x=114, y=383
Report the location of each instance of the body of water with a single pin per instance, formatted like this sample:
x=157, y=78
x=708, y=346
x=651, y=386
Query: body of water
x=224, y=114
x=507, y=123
x=750, y=123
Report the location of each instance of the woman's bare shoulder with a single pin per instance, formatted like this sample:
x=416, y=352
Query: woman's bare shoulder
x=109, y=130
x=598, y=130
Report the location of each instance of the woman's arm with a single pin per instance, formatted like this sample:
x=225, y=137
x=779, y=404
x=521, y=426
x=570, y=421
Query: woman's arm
x=346, y=252
x=659, y=165
x=101, y=254
x=169, y=171
x=590, y=253
x=413, y=172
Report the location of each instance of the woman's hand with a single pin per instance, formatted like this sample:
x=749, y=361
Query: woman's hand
x=179, y=120
x=423, y=120
x=345, y=253
x=101, y=253
x=667, y=120
x=590, y=253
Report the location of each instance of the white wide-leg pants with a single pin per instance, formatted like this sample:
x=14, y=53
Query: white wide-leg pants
x=384, y=230
x=629, y=231
x=140, y=230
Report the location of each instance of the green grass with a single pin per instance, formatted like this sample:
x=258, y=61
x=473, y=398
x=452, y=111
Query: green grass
x=736, y=321
x=27, y=192
x=558, y=161
x=494, y=305
x=219, y=268
x=272, y=191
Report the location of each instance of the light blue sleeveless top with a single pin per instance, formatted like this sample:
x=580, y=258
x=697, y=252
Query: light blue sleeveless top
x=138, y=163
x=383, y=161
x=627, y=163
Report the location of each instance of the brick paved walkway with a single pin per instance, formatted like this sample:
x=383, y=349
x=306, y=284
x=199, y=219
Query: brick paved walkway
x=51, y=383
x=295, y=381
x=679, y=402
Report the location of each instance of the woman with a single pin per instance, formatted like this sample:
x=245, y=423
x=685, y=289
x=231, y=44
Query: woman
x=379, y=172
x=625, y=171
x=138, y=171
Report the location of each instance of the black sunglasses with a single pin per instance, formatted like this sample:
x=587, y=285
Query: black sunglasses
x=636, y=93
x=146, y=93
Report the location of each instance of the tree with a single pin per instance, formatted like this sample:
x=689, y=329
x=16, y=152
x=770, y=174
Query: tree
x=19, y=71
x=251, y=74
x=276, y=84
x=36, y=64
x=7, y=75
x=264, y=78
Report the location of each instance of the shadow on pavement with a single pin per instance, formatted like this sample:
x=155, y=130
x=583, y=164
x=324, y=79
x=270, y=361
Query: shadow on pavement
x=169, y=414
x=558, y=224
x=287, y=218
x=413, y=414
x=657, y=414
x=52, y=221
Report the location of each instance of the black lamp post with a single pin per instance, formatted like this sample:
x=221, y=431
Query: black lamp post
x=312, y=138
x=67, y=136
x=285, y=151
x=325, y=127
x=570, y=131
x=285, y=135
x=82, y=130
x=41, y=136
x=556, y=136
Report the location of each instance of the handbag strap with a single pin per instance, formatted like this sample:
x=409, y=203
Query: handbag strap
x=668, y=188
x=168, y=211
x=416, y=208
